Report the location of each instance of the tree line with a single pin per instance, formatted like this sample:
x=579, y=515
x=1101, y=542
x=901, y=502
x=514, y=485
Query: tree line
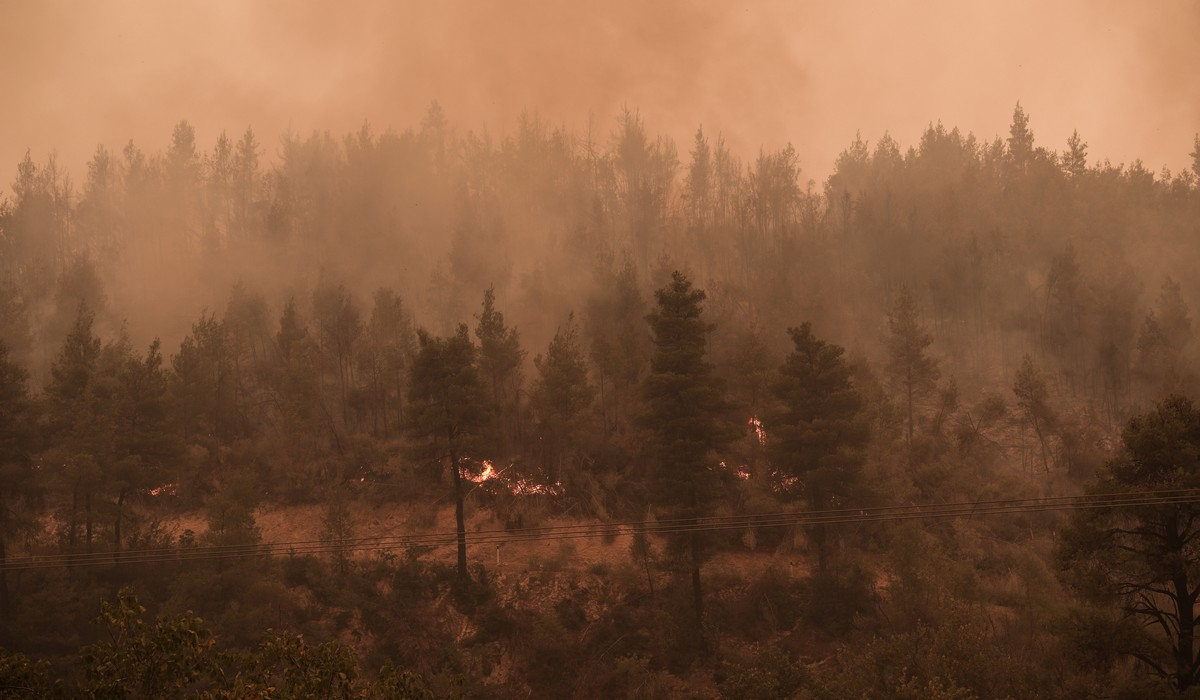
x=373, y=302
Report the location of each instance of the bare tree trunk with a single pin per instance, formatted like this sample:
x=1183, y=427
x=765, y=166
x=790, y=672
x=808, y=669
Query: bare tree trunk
x=3, y=580
x=87, y=506
x=820, y=539
x=1184, y=596
x=910, y=412
x=1185, y=642
x=399, y=399
x=697, y=590
x=603, y=405
x=1037, y=428
x=459, y=520
x=72, y=533
x=117, y=526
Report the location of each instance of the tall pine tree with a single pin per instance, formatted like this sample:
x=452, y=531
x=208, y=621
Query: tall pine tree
x=500, y=358
x=17, y=474
x=77, y=425
x=560, y=397
x=817, y=433
x=914, y=373
x=685, y=415
x=446, y=400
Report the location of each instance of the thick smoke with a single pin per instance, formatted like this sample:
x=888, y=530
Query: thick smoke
x=765, y=73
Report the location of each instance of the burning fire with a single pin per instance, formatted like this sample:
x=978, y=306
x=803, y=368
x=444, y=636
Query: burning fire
x=489, y=472
x=740, y=472
x=164, y=490
x=758, y=429
x=524, y=487
x=784, y=483
x=518, y=486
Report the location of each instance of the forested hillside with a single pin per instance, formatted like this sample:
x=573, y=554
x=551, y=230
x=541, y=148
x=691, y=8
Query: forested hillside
x=740, y=433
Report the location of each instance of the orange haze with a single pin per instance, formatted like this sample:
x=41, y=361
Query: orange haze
x=764, y=72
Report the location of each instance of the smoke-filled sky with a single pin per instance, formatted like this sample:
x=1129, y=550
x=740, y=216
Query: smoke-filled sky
x=763, y=72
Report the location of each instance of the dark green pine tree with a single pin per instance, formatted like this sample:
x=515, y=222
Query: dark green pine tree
x=685, y=414
x=389, y=341
x=338, y=323
x=913, y=372
x=1195, y=154
x=617, y=342
x=1074, y=161
x=1020, y=138
x=18, y=436
x=446, y=411
x=560, y=397
x=817, y=433
x=1144, y=558
x=146, y=445
x=202, y=390
x=77, y=424
x=500, y=358
x=73, y=368
x=295, y=384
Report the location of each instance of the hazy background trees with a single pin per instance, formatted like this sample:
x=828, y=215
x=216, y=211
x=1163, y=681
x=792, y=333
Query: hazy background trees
x=233, y=326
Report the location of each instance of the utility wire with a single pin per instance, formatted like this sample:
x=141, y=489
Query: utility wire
x=858, y=514
x=593, y=530
x=590, y=530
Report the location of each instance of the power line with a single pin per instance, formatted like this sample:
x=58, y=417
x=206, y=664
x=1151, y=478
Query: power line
x=858, y=514
x=591, y=530
x=594, y=530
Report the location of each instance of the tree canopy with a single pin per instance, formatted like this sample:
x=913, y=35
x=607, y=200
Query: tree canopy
x=1148, y=556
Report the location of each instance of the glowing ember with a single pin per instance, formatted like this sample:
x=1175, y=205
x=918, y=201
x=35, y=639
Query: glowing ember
x=164, y=490
x=489, y=472
x=740, y=472
x=524, y=487
x=518, y=486
x=784, y=483
x=758, y=429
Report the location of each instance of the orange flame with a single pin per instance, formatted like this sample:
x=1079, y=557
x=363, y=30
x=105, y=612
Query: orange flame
x=758, y=429
x=489, y=472
x=784, y=482
x=518, y=486
x=740, y=472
